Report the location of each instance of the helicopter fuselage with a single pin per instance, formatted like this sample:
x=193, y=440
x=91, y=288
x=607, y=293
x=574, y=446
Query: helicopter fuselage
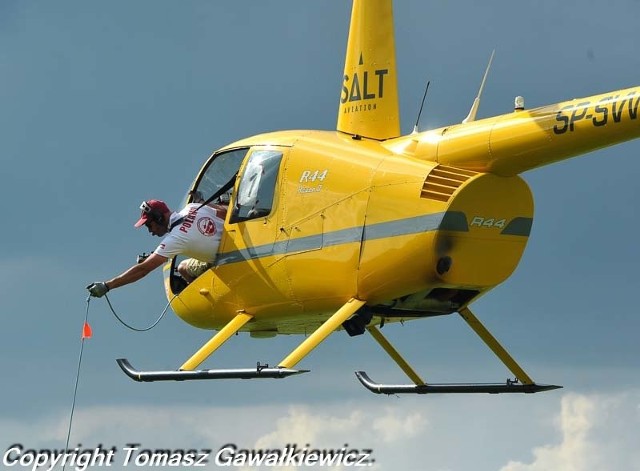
x=350, y=218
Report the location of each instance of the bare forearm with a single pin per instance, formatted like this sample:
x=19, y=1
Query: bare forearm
x=136, y=271
x=132, y=274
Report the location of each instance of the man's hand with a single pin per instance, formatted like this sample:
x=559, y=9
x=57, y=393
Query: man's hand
x=98, y=289
x=137, y=271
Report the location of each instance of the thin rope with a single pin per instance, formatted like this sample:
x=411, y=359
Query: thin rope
x=136, y=329
x=75, y=389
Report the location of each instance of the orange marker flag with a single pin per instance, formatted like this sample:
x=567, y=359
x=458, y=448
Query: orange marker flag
x=86, y=331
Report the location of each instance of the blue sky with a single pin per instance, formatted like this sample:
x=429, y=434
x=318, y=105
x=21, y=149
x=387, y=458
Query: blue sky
x=104, y=104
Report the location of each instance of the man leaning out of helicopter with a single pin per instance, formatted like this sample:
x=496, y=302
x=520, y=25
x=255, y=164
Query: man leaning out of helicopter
x=194, y=231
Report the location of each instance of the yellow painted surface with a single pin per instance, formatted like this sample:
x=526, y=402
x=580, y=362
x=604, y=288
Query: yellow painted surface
x=495, y=346
x=361, y=213
x=331, y=324
x=513, y=143
x=485, y=256
x=395, y=355
x=216, y=342
x=369, y=97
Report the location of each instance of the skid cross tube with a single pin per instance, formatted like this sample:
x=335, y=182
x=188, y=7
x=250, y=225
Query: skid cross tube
x=522, y=384
x=187, y=372
x=321, y=333
x=216, y=341
x=495, y=346
x=395, y=355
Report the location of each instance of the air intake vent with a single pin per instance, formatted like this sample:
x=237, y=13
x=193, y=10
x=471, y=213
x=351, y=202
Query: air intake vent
x=443, y=181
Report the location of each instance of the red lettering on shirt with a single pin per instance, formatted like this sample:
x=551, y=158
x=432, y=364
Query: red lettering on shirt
x=188, y=220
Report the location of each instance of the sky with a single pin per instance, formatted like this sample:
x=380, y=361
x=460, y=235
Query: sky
x=104, y=104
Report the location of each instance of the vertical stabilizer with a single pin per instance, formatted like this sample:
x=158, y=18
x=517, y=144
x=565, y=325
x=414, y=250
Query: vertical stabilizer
x=369, y=97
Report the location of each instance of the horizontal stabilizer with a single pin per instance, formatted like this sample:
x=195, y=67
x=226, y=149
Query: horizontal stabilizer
x=490, y=388
x=235, y=373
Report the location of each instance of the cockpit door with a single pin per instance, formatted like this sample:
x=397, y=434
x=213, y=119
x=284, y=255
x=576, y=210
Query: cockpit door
x=253, y=245
x=252, y=223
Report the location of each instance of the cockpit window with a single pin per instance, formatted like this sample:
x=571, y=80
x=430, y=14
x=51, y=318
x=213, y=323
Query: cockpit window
x=257, y=185
x=220, y=170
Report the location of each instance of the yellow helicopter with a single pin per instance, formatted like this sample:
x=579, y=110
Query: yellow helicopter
x=361, y=227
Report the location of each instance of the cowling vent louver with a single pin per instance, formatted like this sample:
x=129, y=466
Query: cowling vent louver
x=443, y=181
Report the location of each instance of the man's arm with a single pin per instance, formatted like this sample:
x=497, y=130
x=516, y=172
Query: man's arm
x=137, y=271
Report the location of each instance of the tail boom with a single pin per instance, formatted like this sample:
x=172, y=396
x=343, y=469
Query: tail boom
x=513, y=143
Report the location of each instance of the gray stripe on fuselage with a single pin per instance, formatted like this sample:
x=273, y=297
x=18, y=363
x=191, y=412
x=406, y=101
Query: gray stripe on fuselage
x=519, y=226
x=450, y=221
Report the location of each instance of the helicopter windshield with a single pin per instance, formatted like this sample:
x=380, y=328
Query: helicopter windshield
x=218, y=172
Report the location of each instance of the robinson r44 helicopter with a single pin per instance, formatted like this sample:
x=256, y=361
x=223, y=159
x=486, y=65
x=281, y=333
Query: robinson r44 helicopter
x=362, y=227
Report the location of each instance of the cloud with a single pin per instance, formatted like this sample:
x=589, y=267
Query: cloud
x=598, y=432
x=256, y=427
x=572, y=432
x=302, y=424
x=393, y=427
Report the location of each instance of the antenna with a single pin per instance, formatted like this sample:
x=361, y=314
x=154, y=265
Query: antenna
x=415, y=127
x=476, y=103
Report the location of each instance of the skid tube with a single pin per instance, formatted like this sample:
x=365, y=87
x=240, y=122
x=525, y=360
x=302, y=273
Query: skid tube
x=460, y=388
x=285, y=368
x=260, y=371
x=521, y=384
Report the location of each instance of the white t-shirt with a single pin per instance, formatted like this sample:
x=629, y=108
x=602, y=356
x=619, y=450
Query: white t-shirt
x=197, y=236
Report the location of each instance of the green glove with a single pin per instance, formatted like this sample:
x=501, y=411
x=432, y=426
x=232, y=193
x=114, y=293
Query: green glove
x=98, y=289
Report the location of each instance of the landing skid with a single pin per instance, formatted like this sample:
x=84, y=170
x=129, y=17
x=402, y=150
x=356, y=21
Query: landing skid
x=285, y=368
x=187, y=372
x=522, y=384
x=260, y=371
x=458, y=388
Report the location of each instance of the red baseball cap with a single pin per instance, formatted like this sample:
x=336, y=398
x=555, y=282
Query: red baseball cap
x=151, y=209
